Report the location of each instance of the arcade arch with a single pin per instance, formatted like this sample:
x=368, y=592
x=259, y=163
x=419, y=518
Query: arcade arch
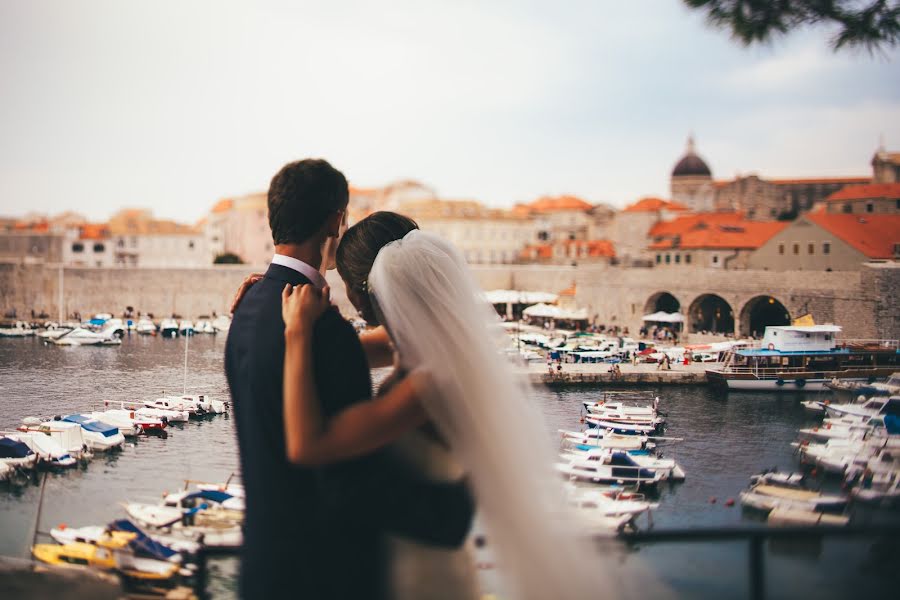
x=710, y=313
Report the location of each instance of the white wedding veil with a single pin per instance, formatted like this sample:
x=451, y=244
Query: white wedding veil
x=433, y=308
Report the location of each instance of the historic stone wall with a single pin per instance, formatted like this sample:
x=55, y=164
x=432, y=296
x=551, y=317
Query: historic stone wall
x=864, y=302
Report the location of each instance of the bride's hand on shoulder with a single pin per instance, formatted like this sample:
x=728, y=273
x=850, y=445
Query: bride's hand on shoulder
x=245, y=285
x=301, y=307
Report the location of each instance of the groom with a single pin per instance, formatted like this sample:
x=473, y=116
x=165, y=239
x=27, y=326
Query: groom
x=317, y=532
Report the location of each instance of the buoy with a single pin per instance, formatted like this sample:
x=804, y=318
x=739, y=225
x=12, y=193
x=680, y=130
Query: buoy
x=729, y=502
x=62, y=526
x=712, y=499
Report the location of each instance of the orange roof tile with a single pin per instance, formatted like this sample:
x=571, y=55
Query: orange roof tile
x=873, y=235
x=93, y=231
x=594, y=248
x=223, y=205
x=723, y=235
x=569, y=291
x=653, y=205
x=684, y=223
x=865, y=192
x=548, y=204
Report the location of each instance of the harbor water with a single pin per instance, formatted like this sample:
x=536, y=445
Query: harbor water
x=727, y=437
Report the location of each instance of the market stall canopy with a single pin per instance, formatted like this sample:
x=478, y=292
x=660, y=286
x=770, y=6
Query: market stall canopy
x=519, y=297
x=664, y=317
x=554, y=312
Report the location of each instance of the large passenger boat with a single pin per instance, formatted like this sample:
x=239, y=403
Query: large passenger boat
x=792, y=358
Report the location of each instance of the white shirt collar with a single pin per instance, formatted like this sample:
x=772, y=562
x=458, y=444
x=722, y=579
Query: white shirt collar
x=301, y=267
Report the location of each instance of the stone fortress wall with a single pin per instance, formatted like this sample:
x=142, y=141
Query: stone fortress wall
x=864, y=302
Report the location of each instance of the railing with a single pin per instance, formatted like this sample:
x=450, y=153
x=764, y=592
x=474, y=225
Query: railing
x=779, y=370
x=755, y=536
x=841, y=343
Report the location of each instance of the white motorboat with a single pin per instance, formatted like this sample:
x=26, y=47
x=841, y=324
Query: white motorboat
x=169, y=415
x=872, y=407
x=215, y=498
x=174, y=404
x=792, y=516
x=196, y=404
x=98, y=436
x=85, y=337
x=16, y=454
x=615, y=468
x=793, y=480
x=666, y=467
x=584, y=441
x=168, y=328
x=186, y=327
x=593, y=421
x=18, y=329
x=881, y=488
x=767, y=497
x=128, y=422
x=52, y=331
x=68, y=435
x=145, y=326
x=235, y=489
x=212, y=528
x=47, y=449
x=647, y=412
x=813, y=406
x=222, y=323
x=204, y=325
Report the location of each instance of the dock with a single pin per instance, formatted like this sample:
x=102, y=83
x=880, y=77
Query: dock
x=581, y=374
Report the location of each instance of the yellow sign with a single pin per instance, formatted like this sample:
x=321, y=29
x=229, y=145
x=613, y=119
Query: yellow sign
x=804, y=320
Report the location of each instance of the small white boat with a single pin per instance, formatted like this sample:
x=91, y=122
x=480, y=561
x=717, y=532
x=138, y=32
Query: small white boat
x=872, y=407
x=666, y=467
x=53, y=331
x=222, y=323
x=616, y=468
x=793, y=480
x=128, y=422
x=68, y=435
x=145, y=326
x=618, y=442
x=593, y=421
x=98, y=436
x=787, y=516
x=186, y=327
x=16, y=454
x=196, y=404
x=85, y=337
x=768, y=497
x=215, y=498
x=204, y=325
x=168, y=328
x=48, y=450
x=213, y=528
x=813, y=406
x=149, y=411
x=18, y=329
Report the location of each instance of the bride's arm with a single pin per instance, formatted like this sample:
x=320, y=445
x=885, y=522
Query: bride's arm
x=355, y=431
x=378, y=348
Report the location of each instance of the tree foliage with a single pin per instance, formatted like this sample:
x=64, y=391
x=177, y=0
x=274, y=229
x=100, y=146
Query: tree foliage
x=870, y=24
x=228, y=258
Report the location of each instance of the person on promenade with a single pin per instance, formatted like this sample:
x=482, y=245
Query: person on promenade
x=318, y=530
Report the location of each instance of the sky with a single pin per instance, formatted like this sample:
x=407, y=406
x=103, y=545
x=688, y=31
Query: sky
x=172, y=105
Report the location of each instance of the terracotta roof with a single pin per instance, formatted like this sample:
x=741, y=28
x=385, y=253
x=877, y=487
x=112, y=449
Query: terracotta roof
x=223, y=205
x=93, y=231
x=570, y=291
x=873, y=235
x=684, y=223
x=821, y=180
x=722, y=234
x=548, y=204
x=891, y=157
x=36, y=226
x=653, y=205
x=456, y=209
x=866, y=192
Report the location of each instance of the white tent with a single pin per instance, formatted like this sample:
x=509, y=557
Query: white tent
x=519, y=297
x=664, y=317
x=554, y=312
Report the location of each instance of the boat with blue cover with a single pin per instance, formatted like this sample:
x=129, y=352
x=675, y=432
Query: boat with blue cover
x=97, y=434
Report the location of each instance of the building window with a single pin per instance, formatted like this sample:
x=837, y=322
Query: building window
x=796, y=249
x=826, y=247
x=870, y=207
x=191, y=244
x=896, y=250
x=77, y=247
x=677, y=259
x=98, y=247
x=780, y=248
x=687, y=258
x=811, y=248
x=898, y=204
x=848, y=208
x=715, y=259
x=658, y=258
x=668, y=258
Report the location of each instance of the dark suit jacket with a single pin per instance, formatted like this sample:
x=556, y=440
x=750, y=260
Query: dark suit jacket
x=319, y=532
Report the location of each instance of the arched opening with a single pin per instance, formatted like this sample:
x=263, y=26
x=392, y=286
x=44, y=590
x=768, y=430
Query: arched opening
x=662, y=302
x=760, y=312
x=710, y=313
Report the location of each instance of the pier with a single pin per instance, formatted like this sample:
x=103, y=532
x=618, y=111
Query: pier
x=579, y=374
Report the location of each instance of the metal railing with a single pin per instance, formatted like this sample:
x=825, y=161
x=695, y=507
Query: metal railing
x=756, y=536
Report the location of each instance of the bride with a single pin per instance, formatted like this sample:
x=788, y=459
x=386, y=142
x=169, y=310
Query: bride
x=449, y=374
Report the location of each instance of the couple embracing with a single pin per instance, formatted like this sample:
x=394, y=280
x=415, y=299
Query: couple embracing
x=354, y=496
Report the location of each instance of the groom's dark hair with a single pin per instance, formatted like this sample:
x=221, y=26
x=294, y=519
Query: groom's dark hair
x=302, y=195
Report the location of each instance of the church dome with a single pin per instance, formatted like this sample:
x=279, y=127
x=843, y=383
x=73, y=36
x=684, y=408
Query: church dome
x=690, y=164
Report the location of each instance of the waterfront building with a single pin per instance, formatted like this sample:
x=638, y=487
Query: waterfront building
x=559, y=218
x=240, y=226
x=866, y=199
x=139, y=240
x=885, y=166
x=826, y=241
x=630, y=227
x=570, y=252
x=710, y=240
x=88, y=245
x=484, y=235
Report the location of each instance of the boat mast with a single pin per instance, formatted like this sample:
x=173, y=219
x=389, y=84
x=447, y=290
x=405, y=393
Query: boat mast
x=187, y=339
x=59, y=302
